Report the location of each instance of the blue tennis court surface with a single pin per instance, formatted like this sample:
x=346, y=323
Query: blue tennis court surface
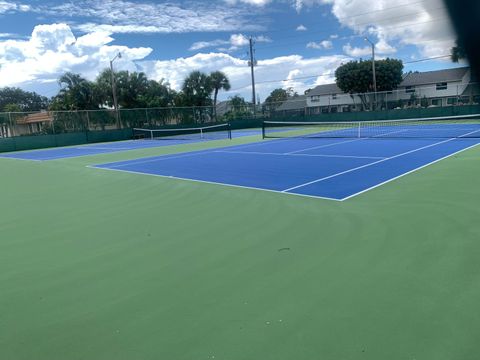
x=335, y=169
x=103, y=148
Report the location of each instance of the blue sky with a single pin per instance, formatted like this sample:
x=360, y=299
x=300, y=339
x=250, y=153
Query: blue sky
x=298, y=43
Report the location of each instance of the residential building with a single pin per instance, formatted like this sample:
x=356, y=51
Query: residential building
x=295, y=105
x=419, y=89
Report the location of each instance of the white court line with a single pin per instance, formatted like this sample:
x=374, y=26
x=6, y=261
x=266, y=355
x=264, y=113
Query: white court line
x=276, y=191
x=323, y=146
x=212, y=182
x=345, y=142
x=308, y=155
x=18, y=158
x=157, y=158
x=374, y=163
x=409, y=172
x=103, y=148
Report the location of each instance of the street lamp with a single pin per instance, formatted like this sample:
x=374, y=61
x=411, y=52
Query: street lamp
x=373, y=69
x=114, y=88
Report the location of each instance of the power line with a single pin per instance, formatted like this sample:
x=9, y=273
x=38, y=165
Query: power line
x=332, y=73
x=363, y=24
x=360, y=14
x=358, y=36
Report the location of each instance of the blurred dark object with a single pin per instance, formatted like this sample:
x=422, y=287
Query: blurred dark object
x=465, y=15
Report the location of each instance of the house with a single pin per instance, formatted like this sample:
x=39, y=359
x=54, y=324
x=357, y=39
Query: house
x=420, y=89
x=225, y=108
x=31, y=123
x=293, y=106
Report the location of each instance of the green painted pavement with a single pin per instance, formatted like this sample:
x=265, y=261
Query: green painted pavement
x=103, y=265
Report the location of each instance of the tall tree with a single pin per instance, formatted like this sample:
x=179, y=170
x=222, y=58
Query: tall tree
x=276, y=98
x=197, y=89
x=237, y=107
x=218, y=81
x=76, y=93
x=24, y=100
x=158, y=94
x=356, y=77
x=131, y=87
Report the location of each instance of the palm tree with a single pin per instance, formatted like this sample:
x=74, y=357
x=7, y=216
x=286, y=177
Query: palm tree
x=76, y=92
x=218, y=81
x=197, y=88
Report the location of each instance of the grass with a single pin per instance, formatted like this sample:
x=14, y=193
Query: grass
x=103, y=265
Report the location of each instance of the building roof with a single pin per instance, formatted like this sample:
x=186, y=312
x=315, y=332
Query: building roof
x=293, y=103
x=325, y=90
x=433, y=77
x=39, y=117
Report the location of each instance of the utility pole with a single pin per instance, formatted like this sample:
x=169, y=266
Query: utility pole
x=114, y=88
x=252, y=63
x=373, y=70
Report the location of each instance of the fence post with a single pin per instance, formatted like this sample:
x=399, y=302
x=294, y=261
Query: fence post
x=53, y=124
x=87, y=128
x=12, y=125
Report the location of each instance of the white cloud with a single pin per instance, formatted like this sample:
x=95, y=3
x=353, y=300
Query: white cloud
x=357, y=51
x=301, y=28
x=7, y=6
x=300, y=4
x=53, y=49
x=381, y=48
x=325, y=44
x=207, y=44
x=238, y=40
x=122, y=16
x=235, y=41
x=249, y=2
x=424, y=24
x=311, y=71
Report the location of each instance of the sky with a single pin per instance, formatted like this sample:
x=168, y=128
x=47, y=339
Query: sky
x=298, y=43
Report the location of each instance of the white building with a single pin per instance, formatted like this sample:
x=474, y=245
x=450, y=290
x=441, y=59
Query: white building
x=425, y=89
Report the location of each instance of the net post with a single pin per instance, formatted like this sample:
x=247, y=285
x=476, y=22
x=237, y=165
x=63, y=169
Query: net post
x=229, y=129
x=201, y=133
x=263, y=129
x=359, y=130
x=151, y=134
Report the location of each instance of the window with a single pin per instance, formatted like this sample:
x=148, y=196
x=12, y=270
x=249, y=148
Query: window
x=437, y=102
x=452, y=101
x=315, y=98
x=334, y=96
x=442, y=86
x=325, y=110
x=334, y=109
x=410, y=89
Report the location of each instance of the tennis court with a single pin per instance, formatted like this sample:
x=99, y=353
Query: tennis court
x=99, y=264
x=149, y=139
x=330, y=161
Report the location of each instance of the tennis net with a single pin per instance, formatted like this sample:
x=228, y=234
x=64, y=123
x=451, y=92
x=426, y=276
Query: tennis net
x=214, y=132
x=464, y=126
